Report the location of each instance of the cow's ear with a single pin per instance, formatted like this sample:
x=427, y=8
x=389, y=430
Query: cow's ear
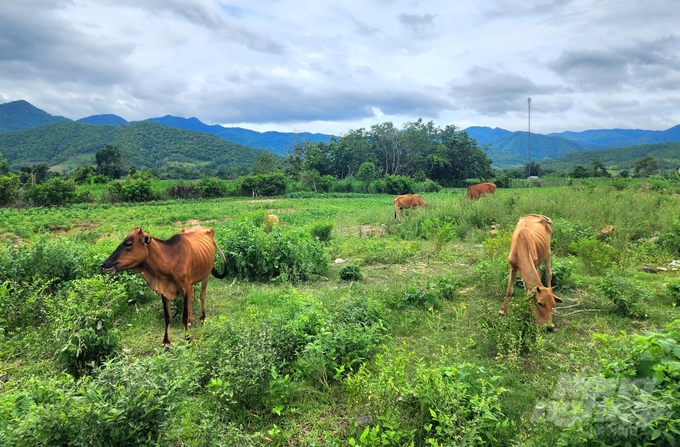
x=140, y=230
x=538, y=290
x=558, y=299
x=146, y=240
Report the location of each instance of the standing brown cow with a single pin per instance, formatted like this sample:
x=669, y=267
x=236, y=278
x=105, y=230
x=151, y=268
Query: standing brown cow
x=529, y=248
x=171, y=267
x=407, y=201
x=476, y=191
x=270, y=221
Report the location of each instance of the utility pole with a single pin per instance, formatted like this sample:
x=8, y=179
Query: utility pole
x=529, y=164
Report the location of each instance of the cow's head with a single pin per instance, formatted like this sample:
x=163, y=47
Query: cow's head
x=545, y=300
x=129, y=254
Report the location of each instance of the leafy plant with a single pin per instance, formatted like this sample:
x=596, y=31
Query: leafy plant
x=322, y=231
x=596, y=256
x=514, y=335
x=626, y=296
x=351, y=273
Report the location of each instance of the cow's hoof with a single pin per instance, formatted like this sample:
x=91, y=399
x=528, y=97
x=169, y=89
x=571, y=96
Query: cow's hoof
x=501, y=313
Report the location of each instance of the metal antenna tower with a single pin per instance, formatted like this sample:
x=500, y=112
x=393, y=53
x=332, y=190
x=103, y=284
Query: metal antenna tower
x=529, y=164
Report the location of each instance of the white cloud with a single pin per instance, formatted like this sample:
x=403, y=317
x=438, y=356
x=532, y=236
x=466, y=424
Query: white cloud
x=330, y=67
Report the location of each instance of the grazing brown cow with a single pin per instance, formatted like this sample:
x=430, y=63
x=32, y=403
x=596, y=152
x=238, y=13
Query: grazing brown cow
x=171, y=267
x=407, y=201
x=269, y=222
x=529, y=248
x=476, y=191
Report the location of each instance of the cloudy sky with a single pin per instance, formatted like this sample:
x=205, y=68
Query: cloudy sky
x=331, y=66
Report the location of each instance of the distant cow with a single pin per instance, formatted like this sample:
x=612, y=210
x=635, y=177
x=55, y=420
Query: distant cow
x=476, y=191
x=529, y=248
x=270, y=221
x=171, y=267
x=407, y=201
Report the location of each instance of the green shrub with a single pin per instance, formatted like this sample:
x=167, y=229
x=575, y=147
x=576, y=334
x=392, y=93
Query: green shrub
x=426, y=298
x=290, y=256
x=351, y=335
x=322, y=231
x=514, y=335
x=634, y=401
x=430, y=186
x=398, y=184
x=673, y=288
x=83, y=317
x=241, y=361
x=671, y=239
x=212, y=187
x=126, y=402
x=561, y=272
x=351, y=273
x=625, y=295
x=9, y=189
x=31, y=273
x=132, y=190
x=564, y=234
x=596, y=256
x=411, y=402
x=55, y=191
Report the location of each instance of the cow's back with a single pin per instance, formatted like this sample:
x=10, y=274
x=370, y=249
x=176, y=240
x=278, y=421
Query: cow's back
x=531, y=240
x=198, y=250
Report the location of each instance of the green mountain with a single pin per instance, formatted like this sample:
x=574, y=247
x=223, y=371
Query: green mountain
x=619, y=158
x=18, y=115
x=103, y=120
x=148, y=145
x=276, y=142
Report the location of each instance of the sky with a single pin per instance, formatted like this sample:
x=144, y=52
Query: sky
x=335, y=66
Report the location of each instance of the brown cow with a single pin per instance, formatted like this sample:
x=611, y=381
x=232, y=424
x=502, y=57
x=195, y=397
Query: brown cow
x=270, y=221
x=529, y=248
x=476, y=191
x=407, y=201
x=171, y=267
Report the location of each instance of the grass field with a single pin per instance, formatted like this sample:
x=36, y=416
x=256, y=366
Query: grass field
x=410, y=351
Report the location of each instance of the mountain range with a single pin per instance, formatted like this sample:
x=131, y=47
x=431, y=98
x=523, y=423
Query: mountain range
x=25, y=130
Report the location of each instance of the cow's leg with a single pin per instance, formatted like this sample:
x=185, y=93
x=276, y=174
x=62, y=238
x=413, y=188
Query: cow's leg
x=188, y=308
x=548, y=272
x=204, y=286
x=510, y=290
x=168, y=317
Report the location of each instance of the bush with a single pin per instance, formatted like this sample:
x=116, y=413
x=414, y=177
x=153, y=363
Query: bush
x=595, y=255
x=9, y=189
x=625, y=295
x=55, y=191
x=212, y=187
x=126, y=402
x=671, y=239
x=322, y=231
x=241, y=361
x=132, y=190
x=351, y=273
x=398, y=184
x=673, y=288
x=83, y=317
x=634, y=401
x=284, y=256
x=411, y=402
x=29, y=274
x=430, y=186
x=514, y=335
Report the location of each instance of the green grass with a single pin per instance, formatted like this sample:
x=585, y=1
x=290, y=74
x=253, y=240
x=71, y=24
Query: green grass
x=394, y=257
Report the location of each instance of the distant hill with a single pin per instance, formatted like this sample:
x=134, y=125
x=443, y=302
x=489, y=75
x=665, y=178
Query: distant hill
x=512, y=148
x=104, y=120
x=18, y=115
x=621, y=137
x=276, y=142
x=619, y=158
x=148, y=144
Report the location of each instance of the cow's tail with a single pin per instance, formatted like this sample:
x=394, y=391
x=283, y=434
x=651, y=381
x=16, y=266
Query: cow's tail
x=215, y=273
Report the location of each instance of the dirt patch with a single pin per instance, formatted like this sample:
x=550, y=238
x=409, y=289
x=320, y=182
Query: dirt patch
x=364, y=230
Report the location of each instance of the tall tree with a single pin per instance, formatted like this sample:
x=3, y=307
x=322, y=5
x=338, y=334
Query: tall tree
x=646, y=166
x=110, y=161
